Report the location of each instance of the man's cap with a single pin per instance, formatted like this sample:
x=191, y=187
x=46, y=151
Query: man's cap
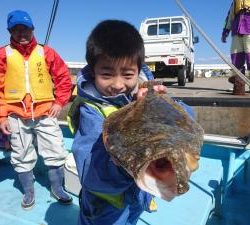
x=19, y=17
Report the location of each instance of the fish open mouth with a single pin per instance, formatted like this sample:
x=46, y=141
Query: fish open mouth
x=159, y=178
x=160, y=169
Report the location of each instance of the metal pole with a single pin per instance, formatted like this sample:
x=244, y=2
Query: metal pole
x=225, y=59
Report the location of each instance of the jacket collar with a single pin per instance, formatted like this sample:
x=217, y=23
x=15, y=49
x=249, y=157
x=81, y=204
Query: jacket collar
x=25, y=50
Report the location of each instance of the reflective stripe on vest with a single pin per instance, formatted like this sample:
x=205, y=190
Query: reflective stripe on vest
x=27, y=76
x=73, y=114
x=114, y=200
x=241, y=4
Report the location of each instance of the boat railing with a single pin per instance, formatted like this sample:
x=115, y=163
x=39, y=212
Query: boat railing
x=234, y=153
x=233, y=142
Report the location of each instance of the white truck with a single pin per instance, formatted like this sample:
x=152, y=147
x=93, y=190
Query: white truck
x=169, y=47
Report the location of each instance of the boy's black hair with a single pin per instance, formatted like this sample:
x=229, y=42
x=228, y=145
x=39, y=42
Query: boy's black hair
x=115, y=39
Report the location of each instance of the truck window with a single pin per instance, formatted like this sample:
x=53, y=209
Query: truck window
x=164, y=29
x=152, y=30
x=176, y=28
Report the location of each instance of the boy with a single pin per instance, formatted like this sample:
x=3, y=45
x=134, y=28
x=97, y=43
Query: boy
x=115, y=55
x=34, y=86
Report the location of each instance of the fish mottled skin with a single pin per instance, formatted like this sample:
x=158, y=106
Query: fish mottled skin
x=153, y=128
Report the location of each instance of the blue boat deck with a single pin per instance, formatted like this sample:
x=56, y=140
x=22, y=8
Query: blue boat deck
x=235, y=207
x=46, y=209
x=219, y=195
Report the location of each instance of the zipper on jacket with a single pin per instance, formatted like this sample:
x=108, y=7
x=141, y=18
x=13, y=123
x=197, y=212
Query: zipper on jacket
x=27, y=83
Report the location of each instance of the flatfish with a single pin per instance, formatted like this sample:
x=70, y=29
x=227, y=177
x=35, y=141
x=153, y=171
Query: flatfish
x=156, y=142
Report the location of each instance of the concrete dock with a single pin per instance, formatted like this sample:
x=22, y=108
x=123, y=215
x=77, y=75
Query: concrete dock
x=217, y=109
x=213, y=91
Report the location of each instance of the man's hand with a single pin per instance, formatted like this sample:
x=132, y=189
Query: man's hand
x=55, y=110
x=5, y=127
x=161, y=89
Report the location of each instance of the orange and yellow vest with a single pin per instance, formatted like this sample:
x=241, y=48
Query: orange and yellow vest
x=241, y=4
x=27, y=76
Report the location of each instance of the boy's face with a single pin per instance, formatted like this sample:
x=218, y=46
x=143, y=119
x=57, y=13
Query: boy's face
x=21, y=34
x=113, y=77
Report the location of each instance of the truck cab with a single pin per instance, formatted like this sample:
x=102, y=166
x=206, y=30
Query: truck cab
x=169, y=47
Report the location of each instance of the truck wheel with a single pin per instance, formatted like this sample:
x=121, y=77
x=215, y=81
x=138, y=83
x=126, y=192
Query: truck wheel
x=182, y=74
x=191, y=77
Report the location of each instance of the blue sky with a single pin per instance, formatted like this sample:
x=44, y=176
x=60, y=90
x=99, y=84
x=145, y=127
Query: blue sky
x=76, y=18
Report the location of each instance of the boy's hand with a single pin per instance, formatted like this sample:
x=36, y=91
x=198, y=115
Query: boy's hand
x=161, y=89
x=5, y=127
x=55, y=110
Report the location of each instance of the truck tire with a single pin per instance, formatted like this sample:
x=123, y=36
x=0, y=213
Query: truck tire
x=182, y=76
x=191, y=77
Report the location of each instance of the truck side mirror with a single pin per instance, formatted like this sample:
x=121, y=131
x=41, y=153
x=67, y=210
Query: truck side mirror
x=195, y=39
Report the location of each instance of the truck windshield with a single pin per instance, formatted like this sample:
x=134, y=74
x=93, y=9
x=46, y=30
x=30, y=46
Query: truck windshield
x=164, y=29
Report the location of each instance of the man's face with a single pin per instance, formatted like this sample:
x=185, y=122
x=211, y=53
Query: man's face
x=113, y=77
x=21, y=34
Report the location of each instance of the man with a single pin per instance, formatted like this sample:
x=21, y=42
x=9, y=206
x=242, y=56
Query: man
x=238, y=22
x=34, y=86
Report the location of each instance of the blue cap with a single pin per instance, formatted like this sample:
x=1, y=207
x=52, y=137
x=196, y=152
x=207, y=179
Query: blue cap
x=19, y=17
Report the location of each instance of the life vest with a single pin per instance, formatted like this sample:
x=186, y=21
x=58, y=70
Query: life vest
x=27, y=76
x=73, y=115
x=241, y=4
x=73, y=121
